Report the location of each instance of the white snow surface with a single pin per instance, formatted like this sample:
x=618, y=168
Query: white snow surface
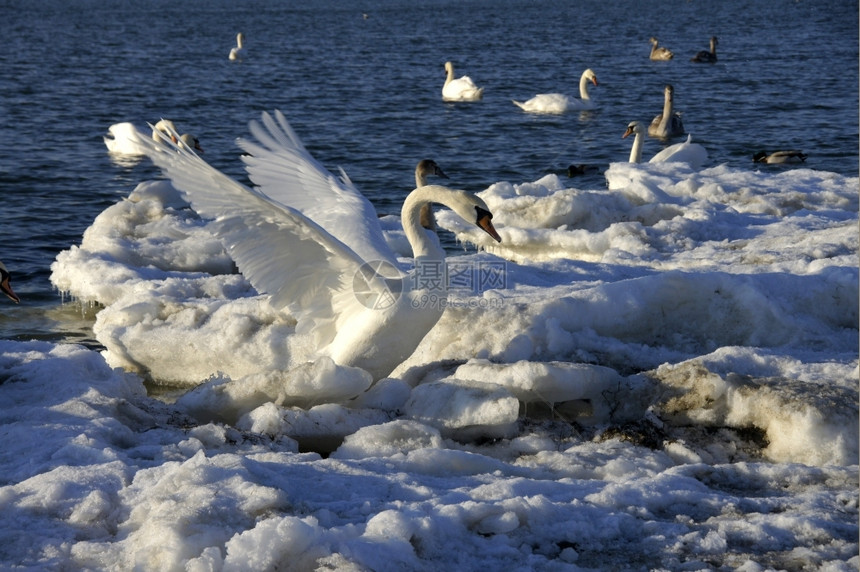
x=659, y=374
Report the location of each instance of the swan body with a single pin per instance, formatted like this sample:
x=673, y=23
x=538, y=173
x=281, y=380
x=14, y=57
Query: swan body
x=425, y=168
x=687, y=152
x=560, y=103
x=461, y=88
x=124, y=137
x=238, y=51
x=312, y=243
x=780, y=157
x=707, y=57
x=668, y=123
x=659, y=53
x=6, y=284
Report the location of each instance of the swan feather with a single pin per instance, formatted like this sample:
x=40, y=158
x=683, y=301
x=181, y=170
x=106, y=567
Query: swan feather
x=308, y=268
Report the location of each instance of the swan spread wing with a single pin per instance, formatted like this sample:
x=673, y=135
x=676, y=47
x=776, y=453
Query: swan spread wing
x=285, y=171
x=277, y=248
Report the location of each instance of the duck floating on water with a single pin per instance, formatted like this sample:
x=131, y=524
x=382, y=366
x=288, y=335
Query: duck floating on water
x=780, y=157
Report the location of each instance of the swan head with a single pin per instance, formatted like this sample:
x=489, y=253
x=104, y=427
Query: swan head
x=473, y=209
x=484, y=220
x=449, y=68
x=589, y=75
x=166, y=127
x=6, y=284
x=429, y=167
x=669, y=92
x=190, y=142
x=632, y=128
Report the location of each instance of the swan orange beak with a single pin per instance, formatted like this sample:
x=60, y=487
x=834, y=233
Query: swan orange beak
x=628, y=132
x=594, y=80
x=6, y=288
x=485, y=222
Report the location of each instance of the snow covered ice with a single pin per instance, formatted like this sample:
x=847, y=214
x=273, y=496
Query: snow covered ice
x=665, y=379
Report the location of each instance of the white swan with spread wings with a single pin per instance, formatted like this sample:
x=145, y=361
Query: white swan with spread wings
x=313, y=243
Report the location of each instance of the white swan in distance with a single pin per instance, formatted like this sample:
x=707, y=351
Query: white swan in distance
x=6, y=284
x=668, y=123
x=313, y=243
x=124, y=138
x=707, y=57
x=461, y=88
x=778, y=157
x=560, y=103
x=238, y=51
x=687, y=152
x=660, y=53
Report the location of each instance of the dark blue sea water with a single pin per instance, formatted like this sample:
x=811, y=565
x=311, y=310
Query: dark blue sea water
x=364, y=93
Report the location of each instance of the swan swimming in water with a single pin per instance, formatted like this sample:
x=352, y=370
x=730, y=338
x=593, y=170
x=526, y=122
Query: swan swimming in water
x=238, y=51
x=312, y=242
x=6, y=284
x=707, y=57
x=124, y=137
x=560, y=103
x=661, y=53
x=668, y=123
x=461, y=88
x=687, y=152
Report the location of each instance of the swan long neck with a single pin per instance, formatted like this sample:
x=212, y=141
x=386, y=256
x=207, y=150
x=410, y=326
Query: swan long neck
x=450, y=77
x=667, y=109
x=713, y=46
x=423, y=245
x=426, y=218
x=636, y=150
x=583, y=87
